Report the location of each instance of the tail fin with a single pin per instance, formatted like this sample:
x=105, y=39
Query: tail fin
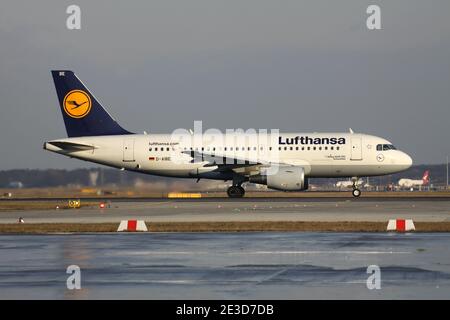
x=426, y=177
x=83, y=115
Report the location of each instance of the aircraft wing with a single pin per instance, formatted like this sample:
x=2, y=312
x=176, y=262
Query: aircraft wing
x=225, y=163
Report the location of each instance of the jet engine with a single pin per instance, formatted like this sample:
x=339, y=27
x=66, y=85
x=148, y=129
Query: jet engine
x=284, y=177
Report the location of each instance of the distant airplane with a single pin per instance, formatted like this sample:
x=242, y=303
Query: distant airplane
x=285, y=163
x=410, y=183
x=348, y=183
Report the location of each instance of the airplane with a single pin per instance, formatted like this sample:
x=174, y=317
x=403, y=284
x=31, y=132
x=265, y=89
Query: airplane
x=348, y=183
x=410, y=183
x=284, y=162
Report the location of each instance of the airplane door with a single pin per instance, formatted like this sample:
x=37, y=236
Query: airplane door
x=128, y=150
x=356, y=152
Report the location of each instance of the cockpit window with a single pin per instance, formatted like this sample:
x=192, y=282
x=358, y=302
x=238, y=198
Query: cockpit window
x=388, y=147
x=385, y=147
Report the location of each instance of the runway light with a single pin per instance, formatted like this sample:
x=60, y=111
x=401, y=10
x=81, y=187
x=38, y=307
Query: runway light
x=102, y=205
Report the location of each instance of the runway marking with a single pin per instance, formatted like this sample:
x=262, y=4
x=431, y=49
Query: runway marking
x=261, y=252
x=164, y=252
x=269, y=277
x=149, y=281
x=325, y=252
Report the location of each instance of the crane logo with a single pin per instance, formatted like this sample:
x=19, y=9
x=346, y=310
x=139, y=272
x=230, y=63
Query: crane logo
x=77, y=104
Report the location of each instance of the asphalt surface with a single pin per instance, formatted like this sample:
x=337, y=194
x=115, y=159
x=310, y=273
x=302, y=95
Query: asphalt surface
x=321, y=198
x=226, y=266
x=279, y=209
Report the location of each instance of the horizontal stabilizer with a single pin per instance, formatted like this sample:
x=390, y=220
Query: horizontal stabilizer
x=69, y=146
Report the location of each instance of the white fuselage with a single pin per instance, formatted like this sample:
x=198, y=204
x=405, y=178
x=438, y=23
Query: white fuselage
x=320, y=154
x=409, y=183
x=348, y=184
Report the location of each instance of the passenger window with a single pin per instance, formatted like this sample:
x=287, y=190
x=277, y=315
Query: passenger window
x=314, y=148
x=167, y=149
x=309, y=148
x=296, y=148
x=320, y=148
x=331, y=148
x=291, y=148
x=303, y=148
x=150, y=149
x=326, y=148
x=285, y=148
x=337, y=148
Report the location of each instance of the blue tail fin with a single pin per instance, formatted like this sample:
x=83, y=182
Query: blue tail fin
x=83, y=115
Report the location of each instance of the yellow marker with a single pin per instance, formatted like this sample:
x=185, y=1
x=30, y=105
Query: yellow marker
x=74, y=203
x=184, y=195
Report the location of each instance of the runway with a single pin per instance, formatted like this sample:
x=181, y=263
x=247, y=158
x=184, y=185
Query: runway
x=226, y=266
x=376, y=210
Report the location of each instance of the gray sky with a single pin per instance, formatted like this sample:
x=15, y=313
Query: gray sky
x=293, y=65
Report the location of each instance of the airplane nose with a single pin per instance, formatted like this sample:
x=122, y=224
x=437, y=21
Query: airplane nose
x=406, y=161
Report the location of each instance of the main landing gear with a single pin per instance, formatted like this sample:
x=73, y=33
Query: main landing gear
x=236, y=191
x=356, y=192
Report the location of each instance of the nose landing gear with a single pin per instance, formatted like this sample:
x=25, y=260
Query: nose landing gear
x=356, y=192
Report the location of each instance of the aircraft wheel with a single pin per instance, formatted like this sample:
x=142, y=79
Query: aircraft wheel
x=235, y=192
x=356, y=193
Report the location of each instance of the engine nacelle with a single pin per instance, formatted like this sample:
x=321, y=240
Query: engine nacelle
x=285, y=178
